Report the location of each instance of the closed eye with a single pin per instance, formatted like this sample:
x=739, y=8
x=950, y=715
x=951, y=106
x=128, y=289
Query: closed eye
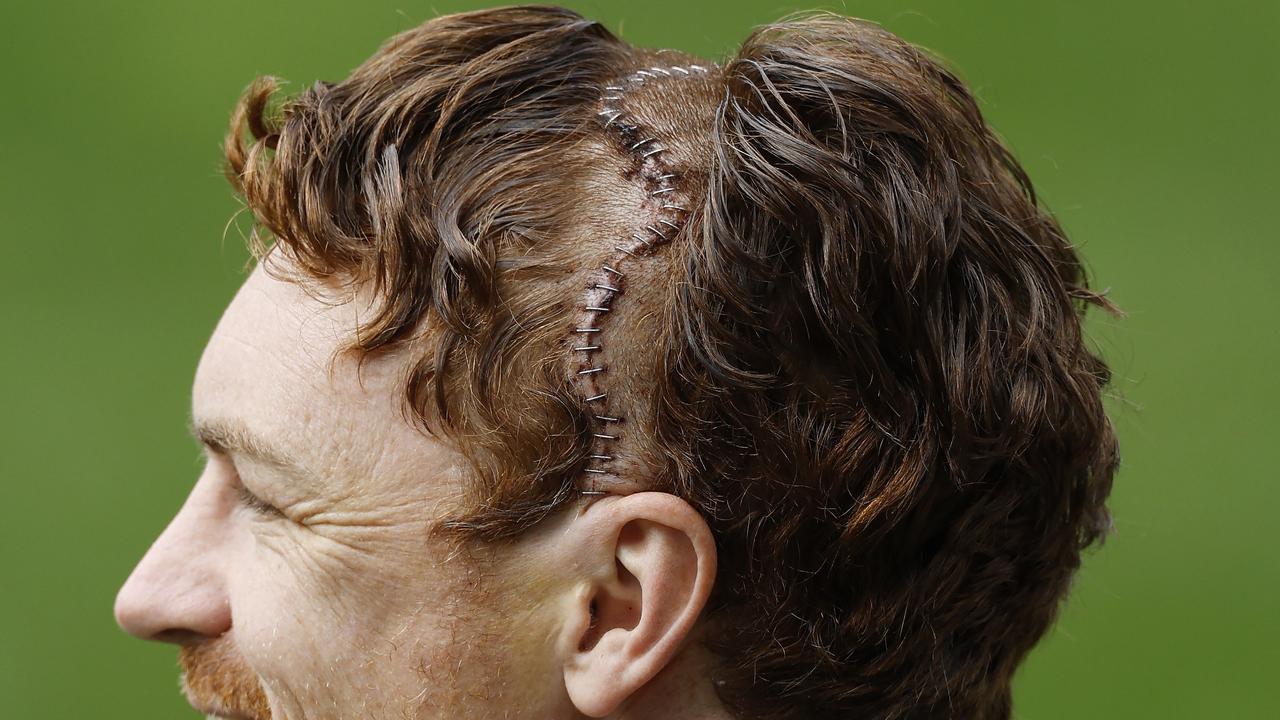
x=255, y=503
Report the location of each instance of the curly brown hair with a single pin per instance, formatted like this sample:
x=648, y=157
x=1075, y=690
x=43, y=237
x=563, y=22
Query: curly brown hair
x=863, y=358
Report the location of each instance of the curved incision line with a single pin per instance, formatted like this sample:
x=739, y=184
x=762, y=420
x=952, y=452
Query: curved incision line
x=609, y=281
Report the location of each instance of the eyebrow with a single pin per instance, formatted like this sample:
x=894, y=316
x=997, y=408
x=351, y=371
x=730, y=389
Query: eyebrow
x=230, y=436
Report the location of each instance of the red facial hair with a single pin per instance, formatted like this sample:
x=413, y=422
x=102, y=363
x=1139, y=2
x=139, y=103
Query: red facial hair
x=215, y=678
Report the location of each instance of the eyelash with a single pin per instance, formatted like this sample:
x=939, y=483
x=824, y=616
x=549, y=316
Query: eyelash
x=255, y=503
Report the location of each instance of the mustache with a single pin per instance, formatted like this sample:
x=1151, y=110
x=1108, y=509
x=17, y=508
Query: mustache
x=216, y=679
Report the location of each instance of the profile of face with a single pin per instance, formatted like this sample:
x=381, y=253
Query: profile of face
x=302, y=554
x=302, y=578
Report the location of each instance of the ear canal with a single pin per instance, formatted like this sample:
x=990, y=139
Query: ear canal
x=619, y=611
x=592, y=635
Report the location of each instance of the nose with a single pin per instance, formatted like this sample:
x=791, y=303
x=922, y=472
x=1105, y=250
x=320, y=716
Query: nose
x=177, y=592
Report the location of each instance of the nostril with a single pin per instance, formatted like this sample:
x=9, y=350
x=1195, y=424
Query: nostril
x=179, y=636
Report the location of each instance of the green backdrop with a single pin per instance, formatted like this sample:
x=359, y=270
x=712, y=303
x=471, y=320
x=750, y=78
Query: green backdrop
x=1150, y=127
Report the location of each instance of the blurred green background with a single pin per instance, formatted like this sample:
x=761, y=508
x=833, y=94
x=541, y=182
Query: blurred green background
x=1150, y=127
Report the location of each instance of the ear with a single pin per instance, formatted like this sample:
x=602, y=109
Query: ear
x=648, y=564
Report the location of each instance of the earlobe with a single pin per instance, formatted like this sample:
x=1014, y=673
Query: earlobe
x=650, y=569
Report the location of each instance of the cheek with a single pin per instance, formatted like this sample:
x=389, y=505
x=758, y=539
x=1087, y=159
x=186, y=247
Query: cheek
x=342, y=617
x=276, y=605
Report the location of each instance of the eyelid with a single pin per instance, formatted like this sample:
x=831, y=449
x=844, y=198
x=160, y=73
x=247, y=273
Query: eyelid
x=244, y=496
x=255, y=503
x=250, y=499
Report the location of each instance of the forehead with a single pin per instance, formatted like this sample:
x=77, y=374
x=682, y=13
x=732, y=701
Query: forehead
x=272, y=365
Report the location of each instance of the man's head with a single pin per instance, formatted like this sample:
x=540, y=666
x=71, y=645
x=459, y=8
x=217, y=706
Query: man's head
x=582, y=379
